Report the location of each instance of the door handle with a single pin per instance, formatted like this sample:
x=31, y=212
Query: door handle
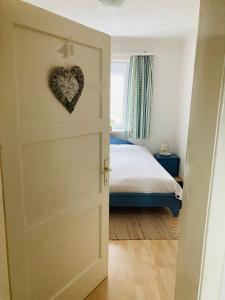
x=105, y=172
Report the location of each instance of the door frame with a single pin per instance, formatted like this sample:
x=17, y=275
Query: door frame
x=198, y=278
x=214, y=248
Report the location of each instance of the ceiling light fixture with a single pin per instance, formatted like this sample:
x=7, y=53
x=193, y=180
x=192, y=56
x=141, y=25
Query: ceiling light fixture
x=111, y=3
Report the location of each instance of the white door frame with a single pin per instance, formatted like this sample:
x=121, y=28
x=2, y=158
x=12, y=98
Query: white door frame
x=201, y=251
x=214, y=250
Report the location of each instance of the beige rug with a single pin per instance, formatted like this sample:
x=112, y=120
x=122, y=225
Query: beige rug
x=142, y=224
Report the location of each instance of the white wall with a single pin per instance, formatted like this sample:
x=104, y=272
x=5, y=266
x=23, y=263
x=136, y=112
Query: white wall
x=173, y=69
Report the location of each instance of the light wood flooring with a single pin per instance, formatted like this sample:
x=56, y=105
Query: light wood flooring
x=139, y=270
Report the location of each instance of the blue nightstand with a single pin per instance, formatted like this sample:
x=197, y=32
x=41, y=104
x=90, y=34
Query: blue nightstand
x=171, y=163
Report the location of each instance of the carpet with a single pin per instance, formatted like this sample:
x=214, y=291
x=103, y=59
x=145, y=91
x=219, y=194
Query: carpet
x=142, y=224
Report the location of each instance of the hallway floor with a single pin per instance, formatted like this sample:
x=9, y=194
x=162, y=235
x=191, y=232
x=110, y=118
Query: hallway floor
x=139, y=270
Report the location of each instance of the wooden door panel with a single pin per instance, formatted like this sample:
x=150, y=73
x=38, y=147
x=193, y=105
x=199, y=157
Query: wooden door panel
x=64, y=168
x=55, y=199
x=48, y=275
x=36, y=102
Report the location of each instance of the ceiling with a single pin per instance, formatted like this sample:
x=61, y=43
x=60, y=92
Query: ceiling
x=136, y=18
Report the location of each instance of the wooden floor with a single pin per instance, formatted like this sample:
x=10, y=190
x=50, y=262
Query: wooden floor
x=139, y=270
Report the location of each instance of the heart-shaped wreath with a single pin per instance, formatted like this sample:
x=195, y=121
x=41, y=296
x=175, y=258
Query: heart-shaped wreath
x=67, y=85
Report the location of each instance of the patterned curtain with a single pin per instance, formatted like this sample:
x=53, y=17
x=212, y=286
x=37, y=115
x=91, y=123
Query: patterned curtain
x=139, y=97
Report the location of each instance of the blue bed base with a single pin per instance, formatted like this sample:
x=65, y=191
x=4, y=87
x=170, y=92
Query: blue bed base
x=146, y=200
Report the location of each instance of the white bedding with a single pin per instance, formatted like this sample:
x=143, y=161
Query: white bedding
x=135, y=170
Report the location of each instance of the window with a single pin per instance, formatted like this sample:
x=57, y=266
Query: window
x=119, y=80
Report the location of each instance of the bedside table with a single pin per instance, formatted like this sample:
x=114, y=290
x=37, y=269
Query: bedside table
x=171, y=163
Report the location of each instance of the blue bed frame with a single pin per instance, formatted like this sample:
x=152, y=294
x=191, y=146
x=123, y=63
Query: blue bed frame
x=144, y=199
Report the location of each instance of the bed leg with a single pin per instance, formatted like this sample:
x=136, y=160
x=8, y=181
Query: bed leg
x=175, y=210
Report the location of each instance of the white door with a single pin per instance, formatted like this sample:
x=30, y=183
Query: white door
x=55, y=197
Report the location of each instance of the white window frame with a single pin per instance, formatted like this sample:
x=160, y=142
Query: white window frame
x=121, y=126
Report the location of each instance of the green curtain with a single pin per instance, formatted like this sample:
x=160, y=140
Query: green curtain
x=139, y=97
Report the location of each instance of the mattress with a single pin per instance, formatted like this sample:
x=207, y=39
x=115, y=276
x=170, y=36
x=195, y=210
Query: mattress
x=135, y=170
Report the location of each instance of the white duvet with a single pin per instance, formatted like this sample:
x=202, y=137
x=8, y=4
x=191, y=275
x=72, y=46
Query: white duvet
x=135, y=170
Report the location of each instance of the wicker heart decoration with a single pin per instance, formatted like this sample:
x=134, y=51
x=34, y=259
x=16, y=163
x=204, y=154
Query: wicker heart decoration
x=67, y=85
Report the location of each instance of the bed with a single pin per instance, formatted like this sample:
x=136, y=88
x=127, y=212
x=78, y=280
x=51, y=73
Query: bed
x=138, y=180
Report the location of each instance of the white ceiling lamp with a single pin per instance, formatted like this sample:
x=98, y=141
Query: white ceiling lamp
x=111, y=3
